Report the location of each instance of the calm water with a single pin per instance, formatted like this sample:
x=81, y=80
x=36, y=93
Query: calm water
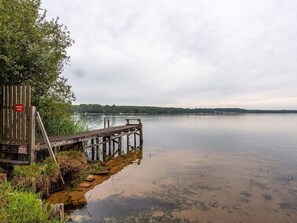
x=233, y=168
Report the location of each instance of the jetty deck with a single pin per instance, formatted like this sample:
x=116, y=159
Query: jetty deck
x=112, y=132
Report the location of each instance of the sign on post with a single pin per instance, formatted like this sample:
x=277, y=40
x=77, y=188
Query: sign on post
x=19, y=108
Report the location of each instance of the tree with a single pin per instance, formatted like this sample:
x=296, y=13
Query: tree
x=33, y=52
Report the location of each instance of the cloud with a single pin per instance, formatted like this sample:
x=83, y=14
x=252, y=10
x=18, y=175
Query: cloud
x=182, y=53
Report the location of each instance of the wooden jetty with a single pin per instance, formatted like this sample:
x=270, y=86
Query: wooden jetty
x=18, y=143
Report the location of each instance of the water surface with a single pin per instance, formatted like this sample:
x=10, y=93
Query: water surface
x=233, y=168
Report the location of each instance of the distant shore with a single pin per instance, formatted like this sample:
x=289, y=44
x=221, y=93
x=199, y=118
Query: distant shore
x=151, y=110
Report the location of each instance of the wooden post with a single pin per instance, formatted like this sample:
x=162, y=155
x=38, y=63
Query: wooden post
x=134, y=140
x=58, y=211
x=104, y=149
x=109, y=144
x=93, y=149
x=97, y=148
x=32, y=145
x=120, y=146
x=140, y=136
x=47, y=142
x=113, y=146
x=128, y=144
x=3, y=177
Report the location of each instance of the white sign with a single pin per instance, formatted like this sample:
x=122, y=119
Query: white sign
x=23, y=150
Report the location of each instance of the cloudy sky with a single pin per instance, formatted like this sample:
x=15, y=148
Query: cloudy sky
x=184, y=53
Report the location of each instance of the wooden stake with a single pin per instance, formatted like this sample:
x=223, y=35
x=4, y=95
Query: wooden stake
x=47, y=142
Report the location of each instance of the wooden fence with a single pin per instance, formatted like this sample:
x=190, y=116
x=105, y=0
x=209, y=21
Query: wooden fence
x=16, y=120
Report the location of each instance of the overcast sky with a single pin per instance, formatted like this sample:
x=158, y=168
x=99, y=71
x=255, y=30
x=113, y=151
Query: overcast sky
x=184, y=53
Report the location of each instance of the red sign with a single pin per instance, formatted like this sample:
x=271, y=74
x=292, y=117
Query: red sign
x=19, y=108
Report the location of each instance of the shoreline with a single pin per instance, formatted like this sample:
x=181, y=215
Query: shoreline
x=74, y=197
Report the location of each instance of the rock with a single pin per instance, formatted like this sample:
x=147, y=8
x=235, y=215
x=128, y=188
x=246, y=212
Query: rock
x=90, y=178
x=85, y=184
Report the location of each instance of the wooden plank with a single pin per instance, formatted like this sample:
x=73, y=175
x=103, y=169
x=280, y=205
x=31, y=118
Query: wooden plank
x=2, y=113
x=32, y=145
x=44, y=134
x=6, y=131
x=16, y=116
x=17, y=162
x=11, y=100
x=28, y=101
x=24, y=139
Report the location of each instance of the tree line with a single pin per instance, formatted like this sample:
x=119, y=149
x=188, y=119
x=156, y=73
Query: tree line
x=113, y=109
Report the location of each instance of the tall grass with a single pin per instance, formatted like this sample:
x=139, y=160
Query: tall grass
x=37, y=177
x=18, y=206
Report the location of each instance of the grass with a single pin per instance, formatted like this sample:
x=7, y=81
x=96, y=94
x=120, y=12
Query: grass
x=22, y=206
x=37, y=177
x=71, y=163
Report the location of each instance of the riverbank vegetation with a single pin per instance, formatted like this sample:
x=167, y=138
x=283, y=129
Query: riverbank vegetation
x=107, y=109
x=44, y=178
x=17, y=205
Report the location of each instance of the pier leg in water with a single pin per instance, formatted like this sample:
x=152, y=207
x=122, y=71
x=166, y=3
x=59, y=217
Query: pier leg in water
x=104, y=149
x=128, y=136
x=120, y=146
x=93, y=149
x=97, y=149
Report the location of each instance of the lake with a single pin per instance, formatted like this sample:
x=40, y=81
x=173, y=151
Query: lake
x=202, y=168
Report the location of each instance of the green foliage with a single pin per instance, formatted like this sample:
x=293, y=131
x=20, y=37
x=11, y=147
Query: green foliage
x=32, y=49
x=18, y=206
x=33, y=52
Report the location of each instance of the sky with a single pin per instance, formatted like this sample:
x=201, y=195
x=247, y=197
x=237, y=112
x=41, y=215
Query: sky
x=181, y=53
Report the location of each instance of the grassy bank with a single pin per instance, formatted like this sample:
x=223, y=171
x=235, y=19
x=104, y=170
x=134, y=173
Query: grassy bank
x=21, y=199
x=22, y=206
x=44, y=177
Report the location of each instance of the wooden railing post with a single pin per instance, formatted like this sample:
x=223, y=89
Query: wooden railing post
x=32, y=146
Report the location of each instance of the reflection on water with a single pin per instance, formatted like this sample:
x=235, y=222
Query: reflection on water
x=239, y=168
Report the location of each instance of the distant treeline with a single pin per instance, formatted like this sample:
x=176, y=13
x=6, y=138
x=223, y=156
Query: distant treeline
x=113, y=109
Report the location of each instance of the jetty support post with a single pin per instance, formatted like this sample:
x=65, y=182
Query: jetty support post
x=104, y=148
x=93, y=148
x=128, y=143
x=97, y=148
